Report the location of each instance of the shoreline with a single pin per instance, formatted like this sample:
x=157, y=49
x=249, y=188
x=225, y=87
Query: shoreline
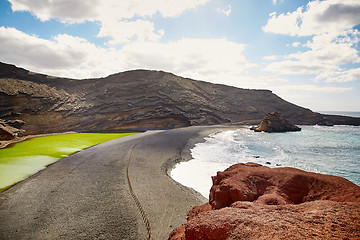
x=160, y=195
x=286, y=150
x=201, y=138
x=8, y=143
x=22, y=159
x=185, y=154
x=92, y=182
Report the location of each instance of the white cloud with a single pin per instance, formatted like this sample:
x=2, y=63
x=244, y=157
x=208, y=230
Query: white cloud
x=288, y=67
x=217, y=60
x=319, y=17
x=79, y=10
x=349, y=75
x=296, y=44
x=270, y=58
x=224, y=11
x=113, y=15
x=349, y=37
x=66, y=10
x=317, y=97
x=19, y=47
x=328, y=52
x=277, y=1
x=131, y=8
x=309, y=88
x=325, y=55
x=209, y=59
x=63, y=55
x=272, y=14
x=125, y=32
x=332, y=45
x=283, y=24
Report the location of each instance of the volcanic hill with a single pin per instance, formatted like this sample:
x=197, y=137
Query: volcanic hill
x=144, y=99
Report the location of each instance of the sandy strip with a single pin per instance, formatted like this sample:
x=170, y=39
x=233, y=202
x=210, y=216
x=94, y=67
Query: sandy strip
x=165, y=201
x=4, y=144
x=86, y=195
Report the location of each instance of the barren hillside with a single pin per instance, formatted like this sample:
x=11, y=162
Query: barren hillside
x=136, y=99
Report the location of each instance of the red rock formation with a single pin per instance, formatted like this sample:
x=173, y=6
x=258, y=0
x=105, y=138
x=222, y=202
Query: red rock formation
x=250, y=201
x=274, y=186
x=311, y=220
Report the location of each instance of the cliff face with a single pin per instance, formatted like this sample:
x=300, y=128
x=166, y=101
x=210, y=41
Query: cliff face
x=136, y=99
x=250, y=201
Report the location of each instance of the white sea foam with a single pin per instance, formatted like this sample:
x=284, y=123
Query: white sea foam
x=329, y=150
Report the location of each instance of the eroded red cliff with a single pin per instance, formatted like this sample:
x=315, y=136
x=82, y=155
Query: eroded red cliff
x=250, y=201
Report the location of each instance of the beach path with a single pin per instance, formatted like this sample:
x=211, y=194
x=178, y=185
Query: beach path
x=87, y=196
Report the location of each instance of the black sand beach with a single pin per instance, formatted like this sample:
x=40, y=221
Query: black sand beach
x=86, y=195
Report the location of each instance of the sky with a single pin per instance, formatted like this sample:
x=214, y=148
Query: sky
x=306, y=52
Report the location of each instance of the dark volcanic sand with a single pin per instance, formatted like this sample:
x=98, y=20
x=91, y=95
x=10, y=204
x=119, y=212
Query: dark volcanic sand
x=86, y=195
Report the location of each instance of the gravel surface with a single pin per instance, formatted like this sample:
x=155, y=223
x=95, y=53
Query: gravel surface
x=86, y=195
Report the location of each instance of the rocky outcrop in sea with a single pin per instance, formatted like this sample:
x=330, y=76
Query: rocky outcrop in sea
x=274, y=122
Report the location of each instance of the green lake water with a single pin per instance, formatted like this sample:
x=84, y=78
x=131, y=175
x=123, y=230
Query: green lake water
x=26, y=158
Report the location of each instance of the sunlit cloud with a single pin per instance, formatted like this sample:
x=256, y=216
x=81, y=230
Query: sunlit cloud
x=310, y=88
x=330, y=23
x=277, y=1
x=318, y=17
x=340, y=76
x=270, y=58
x=216, y=60
x=61, y=52
x=225, y=11
x=102, y=10
x=115, y=17
x=325, y=55
x=63, y=55
x=296, y=44
x=125, y=32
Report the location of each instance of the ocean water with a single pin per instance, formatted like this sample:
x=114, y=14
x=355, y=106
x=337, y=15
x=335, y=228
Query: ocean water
x=342, y=113
x=329, y=150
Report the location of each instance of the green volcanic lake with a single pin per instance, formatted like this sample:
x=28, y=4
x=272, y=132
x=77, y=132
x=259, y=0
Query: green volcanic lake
x=26, y=158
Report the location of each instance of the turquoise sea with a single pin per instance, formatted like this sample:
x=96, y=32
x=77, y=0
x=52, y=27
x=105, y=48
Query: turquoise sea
x=329, y=150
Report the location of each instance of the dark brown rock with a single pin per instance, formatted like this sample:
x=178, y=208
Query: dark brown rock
x=15, y=123
x=5, y=135
x=8, y=131
x=274, y=122
x=250, y=201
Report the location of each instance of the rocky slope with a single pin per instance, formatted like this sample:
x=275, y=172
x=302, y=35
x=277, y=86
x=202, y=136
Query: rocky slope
x=250, y=201
x=10, y=129
x=136, y=99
